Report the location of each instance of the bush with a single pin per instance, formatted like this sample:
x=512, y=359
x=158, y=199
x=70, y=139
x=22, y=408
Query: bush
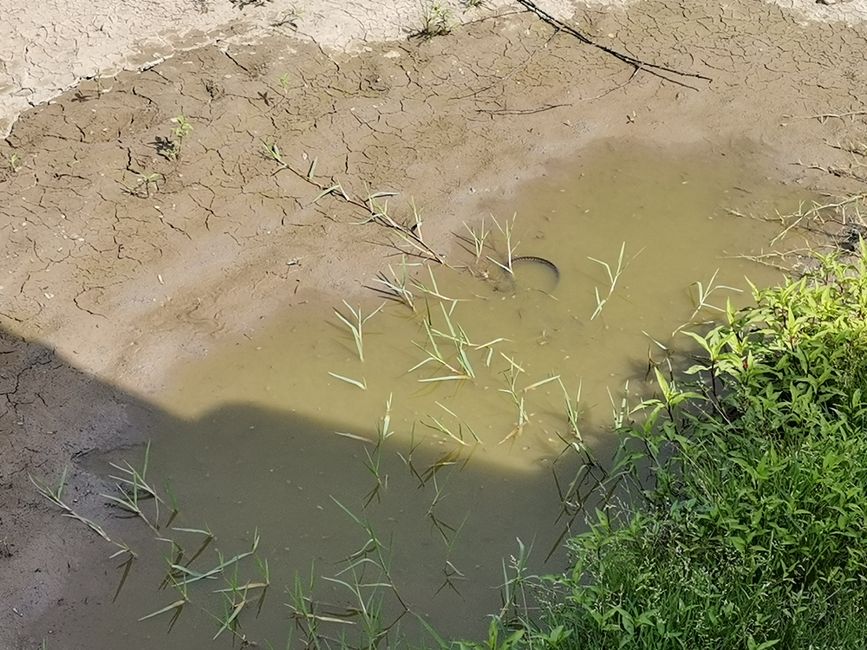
x=751, y=526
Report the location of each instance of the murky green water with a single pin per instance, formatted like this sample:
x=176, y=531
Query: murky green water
x=252, y=441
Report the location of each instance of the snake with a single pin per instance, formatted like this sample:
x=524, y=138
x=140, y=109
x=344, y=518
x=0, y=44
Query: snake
x=540, y=260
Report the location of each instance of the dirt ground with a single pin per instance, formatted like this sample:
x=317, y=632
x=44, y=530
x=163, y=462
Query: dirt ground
x=120, y=260
x=49, y=47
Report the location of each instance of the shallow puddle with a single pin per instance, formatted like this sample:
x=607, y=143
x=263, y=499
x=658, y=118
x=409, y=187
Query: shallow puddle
x=274, y=434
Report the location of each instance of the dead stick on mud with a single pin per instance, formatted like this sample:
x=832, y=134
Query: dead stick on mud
x=824, y=117
x=638, y=65
x=411, y=234
x=521, y=111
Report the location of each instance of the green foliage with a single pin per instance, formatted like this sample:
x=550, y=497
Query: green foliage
x=747, y=527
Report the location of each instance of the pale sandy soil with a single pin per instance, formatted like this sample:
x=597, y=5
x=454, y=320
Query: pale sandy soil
x=48, y=47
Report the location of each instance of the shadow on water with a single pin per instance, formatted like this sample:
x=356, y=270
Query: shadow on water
x=446, y=524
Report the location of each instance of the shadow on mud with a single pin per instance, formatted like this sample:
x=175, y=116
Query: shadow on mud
x=445, y=526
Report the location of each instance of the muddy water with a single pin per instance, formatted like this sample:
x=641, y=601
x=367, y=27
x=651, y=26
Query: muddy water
x=263, y=437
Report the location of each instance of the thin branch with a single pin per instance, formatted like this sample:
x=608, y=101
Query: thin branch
x=652, y=68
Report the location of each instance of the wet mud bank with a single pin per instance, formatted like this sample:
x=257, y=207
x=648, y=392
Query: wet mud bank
x=132, y=245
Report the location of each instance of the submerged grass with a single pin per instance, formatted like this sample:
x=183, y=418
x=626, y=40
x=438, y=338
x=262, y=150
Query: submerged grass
x=746, y=523
x=745, y=487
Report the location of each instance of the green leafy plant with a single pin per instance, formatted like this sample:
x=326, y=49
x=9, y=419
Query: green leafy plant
x=170, y=148
x=744, y=525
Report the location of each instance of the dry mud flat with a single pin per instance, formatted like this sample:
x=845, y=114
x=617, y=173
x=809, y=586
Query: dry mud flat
x=120, y=262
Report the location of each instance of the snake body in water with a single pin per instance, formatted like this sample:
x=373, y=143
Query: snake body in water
x=541, y=261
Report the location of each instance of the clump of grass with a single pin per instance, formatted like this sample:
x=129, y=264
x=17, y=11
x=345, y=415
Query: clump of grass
x=133, y=490
x=478, y=237
x=436, y=20
x=396, y=284
x=748, y=491
x=238, y=595
x=371, y=606
x=176, y=608
x=55, y=496
x=448, y=348
x=507, y=231
x=454, y=431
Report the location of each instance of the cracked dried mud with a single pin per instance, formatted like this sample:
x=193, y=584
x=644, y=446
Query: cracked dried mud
x=125, y=258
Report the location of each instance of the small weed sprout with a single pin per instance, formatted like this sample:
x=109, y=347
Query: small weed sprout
x=180, y=132
x=573, y=409
x=394, y=285
x=13, y=162
x=374, y=459
x=701, y=294
x=237, y=596
x=356, y=325
x=183, y=128
x=144, y=184
x=517, y=396
x=477, y=238
x=133, y=488
x=355, y=322
x=435, y=21
x=55, y=496
x=507, y=231
x=272, y=152
x=177, y=607
x=358, y=383
x=194, y=576
x=613, y=277
x=455, y=337
x=284, y=82
x=456, y=434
